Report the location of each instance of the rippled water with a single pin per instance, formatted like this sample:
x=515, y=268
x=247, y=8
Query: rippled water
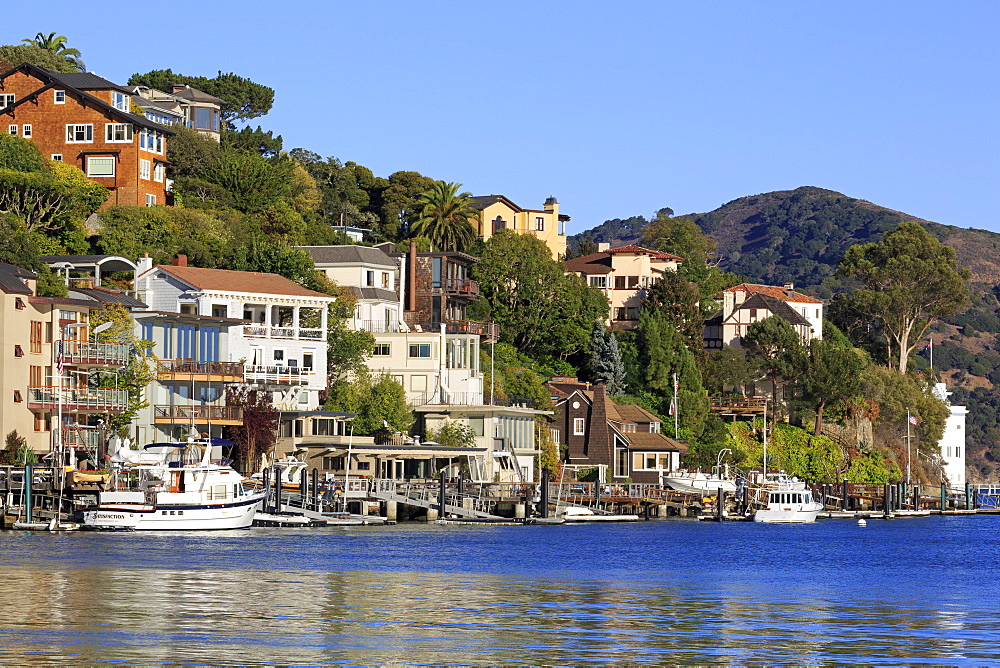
x=921, y=590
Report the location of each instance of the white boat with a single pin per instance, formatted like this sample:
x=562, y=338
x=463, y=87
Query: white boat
x=789, y=503
x=699, y=482
x=174, y=487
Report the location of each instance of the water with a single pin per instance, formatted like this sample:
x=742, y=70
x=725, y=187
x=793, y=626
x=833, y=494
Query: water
x=920, y=590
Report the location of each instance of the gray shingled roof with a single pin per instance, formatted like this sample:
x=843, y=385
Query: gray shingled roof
x=381, y=294
x=480, y=202
x=775, y=306
x=106, y=296
x=12, y=279
x=85, y=81
x=195, y=95
x=348, y=255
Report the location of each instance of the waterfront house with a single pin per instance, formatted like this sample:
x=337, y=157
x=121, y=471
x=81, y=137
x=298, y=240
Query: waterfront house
x=623, y=442
x=50, y=367
x=87, y=121
x=952, y=443
x=497, y=212
x=282, y=345
x=623, y=274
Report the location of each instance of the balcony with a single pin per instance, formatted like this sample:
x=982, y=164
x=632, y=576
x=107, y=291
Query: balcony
x=266, y=332
x=197, y=414
x=189, y=370
x=737, y=405
x=95, y=353
x=456, y=286
x=377, y=326
x=488, y=330
x=278, y=375
x=88, y=399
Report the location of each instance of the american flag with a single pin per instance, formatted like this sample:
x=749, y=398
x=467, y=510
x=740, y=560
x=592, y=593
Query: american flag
x=914, y=419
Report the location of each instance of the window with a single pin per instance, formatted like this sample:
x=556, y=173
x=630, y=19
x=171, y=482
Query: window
x=621, y=462
x=370, y=279
x=18, y=303
x=539, y=223
x=77, y=134
x=599, y=281
x=118, y=132
x=100, y=166
x=205, y=119
x=420, y=350
x=418, y=383
x=619, y=282
x=633, y=282
x=35, y=376
x=121, y=101
x=18, y=351
x=499, y=224
x=279, y=354
x=17, y=397
x=381, y=350
x=477, y=423
x=36, y=336
x=6, y=100
x=26, y=130
x=59, y=97
x=12, y=129
x=40, y=423
x=158, y=172
x=578, y=426
x=385, y=279
x=150, y=200
x=187, y=309
x=307, y=361
x=219, y=310
x=654, y=427
x=57, y=157
x=144, y=166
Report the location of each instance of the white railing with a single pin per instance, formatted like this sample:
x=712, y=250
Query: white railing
x=76, y=398
x=265, y=332
x=278, y=374
x=84, y=352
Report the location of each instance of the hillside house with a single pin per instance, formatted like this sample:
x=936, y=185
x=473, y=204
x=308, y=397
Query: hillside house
x=87, y=121
x=496, y=213
x=745, y=304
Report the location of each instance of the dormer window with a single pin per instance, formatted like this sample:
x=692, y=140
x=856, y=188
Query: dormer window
x=122, y=101
x=654, y=427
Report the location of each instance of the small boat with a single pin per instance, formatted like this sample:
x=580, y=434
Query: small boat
x=174, y=487
x=789, y=503
x=699, y=482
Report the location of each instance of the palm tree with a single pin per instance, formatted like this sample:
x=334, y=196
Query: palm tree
x=446, y=217
x=57, y=45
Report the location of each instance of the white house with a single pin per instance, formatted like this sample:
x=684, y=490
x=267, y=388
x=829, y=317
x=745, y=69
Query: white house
x=745, y=304
x=283, y=344
x=952, y=442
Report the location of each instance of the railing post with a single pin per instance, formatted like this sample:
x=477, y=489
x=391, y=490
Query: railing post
x=944, y=498
x=441, y=496
x=844, y=502
x=544, y=510
x=968, y=496
x=26, y=495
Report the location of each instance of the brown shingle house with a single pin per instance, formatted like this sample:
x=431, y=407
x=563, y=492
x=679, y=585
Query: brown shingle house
x=87, y=121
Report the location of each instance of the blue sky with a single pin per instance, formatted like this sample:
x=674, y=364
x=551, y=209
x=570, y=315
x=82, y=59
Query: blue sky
x=617, y=109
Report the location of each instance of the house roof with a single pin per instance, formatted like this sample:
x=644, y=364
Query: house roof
x=595, y=263
x=480, y=202
x=195, y=95
x=12, y=279
x=349, y=254
x=639, y=250
x=56, y=79
x=85, y=81
x=777, y=292
x=646, y=441
x=226, y=280
x=775, y=306
x=109, y=296
x=381, y=294
x=637, y=414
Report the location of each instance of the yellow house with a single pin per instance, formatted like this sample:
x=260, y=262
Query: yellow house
x=496, y=212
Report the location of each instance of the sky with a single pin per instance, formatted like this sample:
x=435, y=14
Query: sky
x=616, y=109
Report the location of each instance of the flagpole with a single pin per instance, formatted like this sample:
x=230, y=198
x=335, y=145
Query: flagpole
x=931, y=346
x=908, y=423
x=677, y=411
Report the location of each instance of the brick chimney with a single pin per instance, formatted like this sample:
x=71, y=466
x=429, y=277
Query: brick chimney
x=411, y=287
x=180, y=260
x=176, y=88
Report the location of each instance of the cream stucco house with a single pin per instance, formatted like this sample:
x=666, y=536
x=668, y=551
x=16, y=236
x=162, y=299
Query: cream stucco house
x=496, y=212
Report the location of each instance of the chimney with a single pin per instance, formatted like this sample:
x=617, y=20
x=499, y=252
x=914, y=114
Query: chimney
x=601, y=248
x=144, y=264
x=411, y=266
x=552, y=204
x=176, y=88
x=180, y=260
x=789, y=290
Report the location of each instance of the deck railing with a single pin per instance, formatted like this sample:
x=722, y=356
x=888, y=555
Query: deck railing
x=97, y=399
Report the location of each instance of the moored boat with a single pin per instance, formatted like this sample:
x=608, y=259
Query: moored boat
x=174, y=487
x=789, y=503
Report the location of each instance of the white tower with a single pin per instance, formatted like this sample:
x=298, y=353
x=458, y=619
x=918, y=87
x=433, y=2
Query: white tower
x=952, y=443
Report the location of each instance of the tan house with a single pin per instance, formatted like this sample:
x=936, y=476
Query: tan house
x=623, y=274
x=496, y=212
x=41, y=337
x=745, y=304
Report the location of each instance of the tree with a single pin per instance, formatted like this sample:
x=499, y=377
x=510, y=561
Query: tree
x=16, y=245
x=445, y=216
x=259, y=253
x=16, y=450
x=242, y=99
x=606, y=360
x=396, y=201
x=12, y=55
x=252, y=141
x=678, y=300
x=832, y=373
x=56, y=44
x=538, y=308
x=378, y=403
x=777, y=349
x=258, y=432
x=910, y=280
x=727, y=367
x=667, y=358
x=453, y=434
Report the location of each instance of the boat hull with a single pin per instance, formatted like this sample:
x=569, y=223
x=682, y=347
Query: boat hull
x=700, y=485
x=141, y=517
x=785, y=516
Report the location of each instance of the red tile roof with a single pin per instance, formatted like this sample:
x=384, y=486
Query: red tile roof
x=776, y=292
x=239, y=281
x=659, y=255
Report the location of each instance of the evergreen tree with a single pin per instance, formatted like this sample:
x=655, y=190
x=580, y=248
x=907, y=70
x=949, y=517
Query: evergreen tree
x=663, y=348
x=606, y=364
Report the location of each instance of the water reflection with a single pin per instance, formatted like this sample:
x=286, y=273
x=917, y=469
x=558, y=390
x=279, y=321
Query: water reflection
x=284, y=599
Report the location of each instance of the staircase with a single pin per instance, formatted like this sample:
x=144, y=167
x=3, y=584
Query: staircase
x=426, y=496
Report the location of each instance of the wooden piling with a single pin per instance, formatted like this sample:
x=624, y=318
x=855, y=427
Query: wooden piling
x=544, y=510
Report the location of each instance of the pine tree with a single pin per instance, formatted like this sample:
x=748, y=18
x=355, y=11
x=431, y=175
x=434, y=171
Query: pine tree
x=606, y=364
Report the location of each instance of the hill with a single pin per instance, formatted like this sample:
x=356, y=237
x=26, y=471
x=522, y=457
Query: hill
x=798, y=236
